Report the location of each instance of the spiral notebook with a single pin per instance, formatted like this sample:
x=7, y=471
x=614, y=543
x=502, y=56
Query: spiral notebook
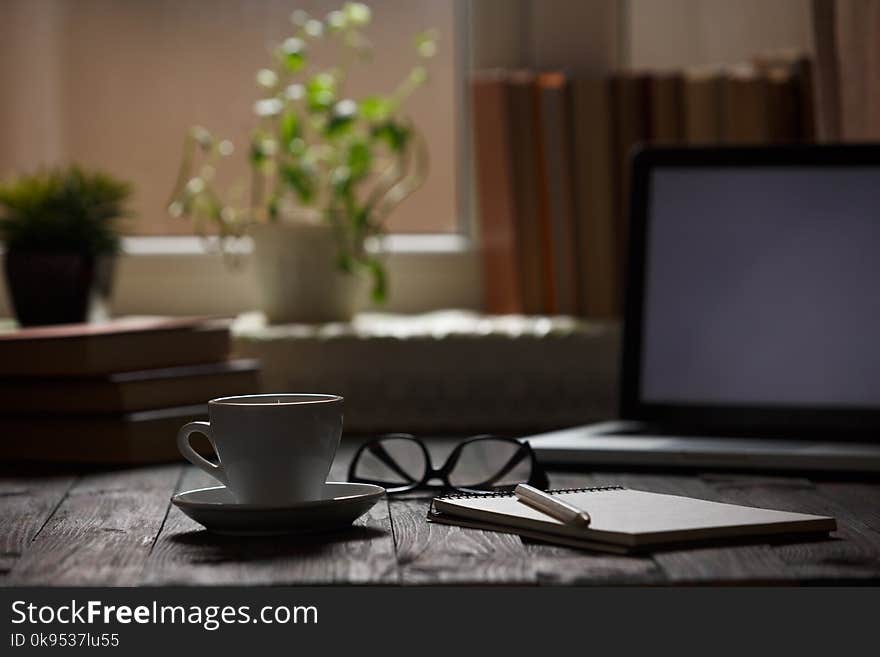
x=625, y=520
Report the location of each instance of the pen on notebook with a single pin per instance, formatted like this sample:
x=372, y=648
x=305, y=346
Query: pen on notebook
x=551, y=505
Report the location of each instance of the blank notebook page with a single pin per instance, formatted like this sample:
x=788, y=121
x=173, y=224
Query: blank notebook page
x=632, y=517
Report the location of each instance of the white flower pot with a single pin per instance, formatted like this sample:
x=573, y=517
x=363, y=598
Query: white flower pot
x=298, y=277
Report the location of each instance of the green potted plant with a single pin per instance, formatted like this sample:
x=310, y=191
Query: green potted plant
x=327, y=170
x=59, y=234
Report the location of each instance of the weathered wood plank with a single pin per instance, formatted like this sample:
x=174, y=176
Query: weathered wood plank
x=111, y=527
x=861, y=498
x=102, y=531
x=444, y=554
x=28, y=497
x=852, y=554
x=187, y=554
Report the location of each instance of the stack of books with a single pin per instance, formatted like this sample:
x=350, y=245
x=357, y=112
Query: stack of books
x=113, y=392
x=552, y=165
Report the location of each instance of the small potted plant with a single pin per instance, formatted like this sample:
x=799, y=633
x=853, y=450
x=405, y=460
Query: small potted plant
x=327, y=170
x=59, y=233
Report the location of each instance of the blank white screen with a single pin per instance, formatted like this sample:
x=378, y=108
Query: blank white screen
x=762, y=287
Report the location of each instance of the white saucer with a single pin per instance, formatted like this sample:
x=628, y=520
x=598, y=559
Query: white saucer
x=217, y=510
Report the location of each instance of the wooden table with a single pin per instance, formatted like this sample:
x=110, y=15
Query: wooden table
x=116, y=527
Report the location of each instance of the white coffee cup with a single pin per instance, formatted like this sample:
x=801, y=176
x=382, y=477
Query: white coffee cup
x=272, y=449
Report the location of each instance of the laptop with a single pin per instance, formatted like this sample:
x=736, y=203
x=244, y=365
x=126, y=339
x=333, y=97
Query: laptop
x=752, y=322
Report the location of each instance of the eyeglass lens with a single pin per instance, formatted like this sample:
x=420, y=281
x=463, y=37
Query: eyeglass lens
x=392, y=462
x=489, y=463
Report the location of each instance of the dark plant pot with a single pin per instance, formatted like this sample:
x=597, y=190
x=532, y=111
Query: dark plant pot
x=56, y=288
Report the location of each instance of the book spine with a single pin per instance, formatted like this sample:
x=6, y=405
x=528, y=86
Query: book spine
x=545, y=219
x=492, y=148
x=526, y=174
x=667, y=113
x=794, y=70
x=593, y=170
x=783, y=113
x=702, y=107
x=744, y=107
x=555, y=123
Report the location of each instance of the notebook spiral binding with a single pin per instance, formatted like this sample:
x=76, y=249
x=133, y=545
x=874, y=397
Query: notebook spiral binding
x=556, y=491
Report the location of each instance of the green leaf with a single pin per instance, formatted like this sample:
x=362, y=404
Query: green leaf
x=341, y=118
x=294, y=62
x=376, y=108
x=361, y=220
x=293, y=54
x=321, y=92
x=301, y=180
x=359, y=160
x=289, y=129
x=65, y=210
x=337, y=126
x=379, y=292
x=393, y=134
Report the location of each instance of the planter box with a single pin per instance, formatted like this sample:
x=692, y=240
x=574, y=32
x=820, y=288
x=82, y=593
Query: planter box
x=450, y=371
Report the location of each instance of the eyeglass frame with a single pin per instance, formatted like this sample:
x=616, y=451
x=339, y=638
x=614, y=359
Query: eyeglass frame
x=537, y=476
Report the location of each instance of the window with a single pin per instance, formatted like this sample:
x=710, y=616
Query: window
x=116, y=85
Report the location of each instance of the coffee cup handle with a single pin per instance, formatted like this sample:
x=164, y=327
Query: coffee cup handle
x=194, y=457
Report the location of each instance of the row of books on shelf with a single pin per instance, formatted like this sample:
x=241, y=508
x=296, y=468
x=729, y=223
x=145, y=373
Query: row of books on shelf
x=552, y=165
x=113, y=392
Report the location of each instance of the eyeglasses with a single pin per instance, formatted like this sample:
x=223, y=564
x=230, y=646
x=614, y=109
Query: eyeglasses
x=400, y=462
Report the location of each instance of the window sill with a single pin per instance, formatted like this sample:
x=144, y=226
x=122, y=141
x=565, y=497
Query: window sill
x=182, y=275
x=190, y=245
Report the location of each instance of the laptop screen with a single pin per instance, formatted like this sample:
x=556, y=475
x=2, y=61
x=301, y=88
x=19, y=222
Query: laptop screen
x=762, y=287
